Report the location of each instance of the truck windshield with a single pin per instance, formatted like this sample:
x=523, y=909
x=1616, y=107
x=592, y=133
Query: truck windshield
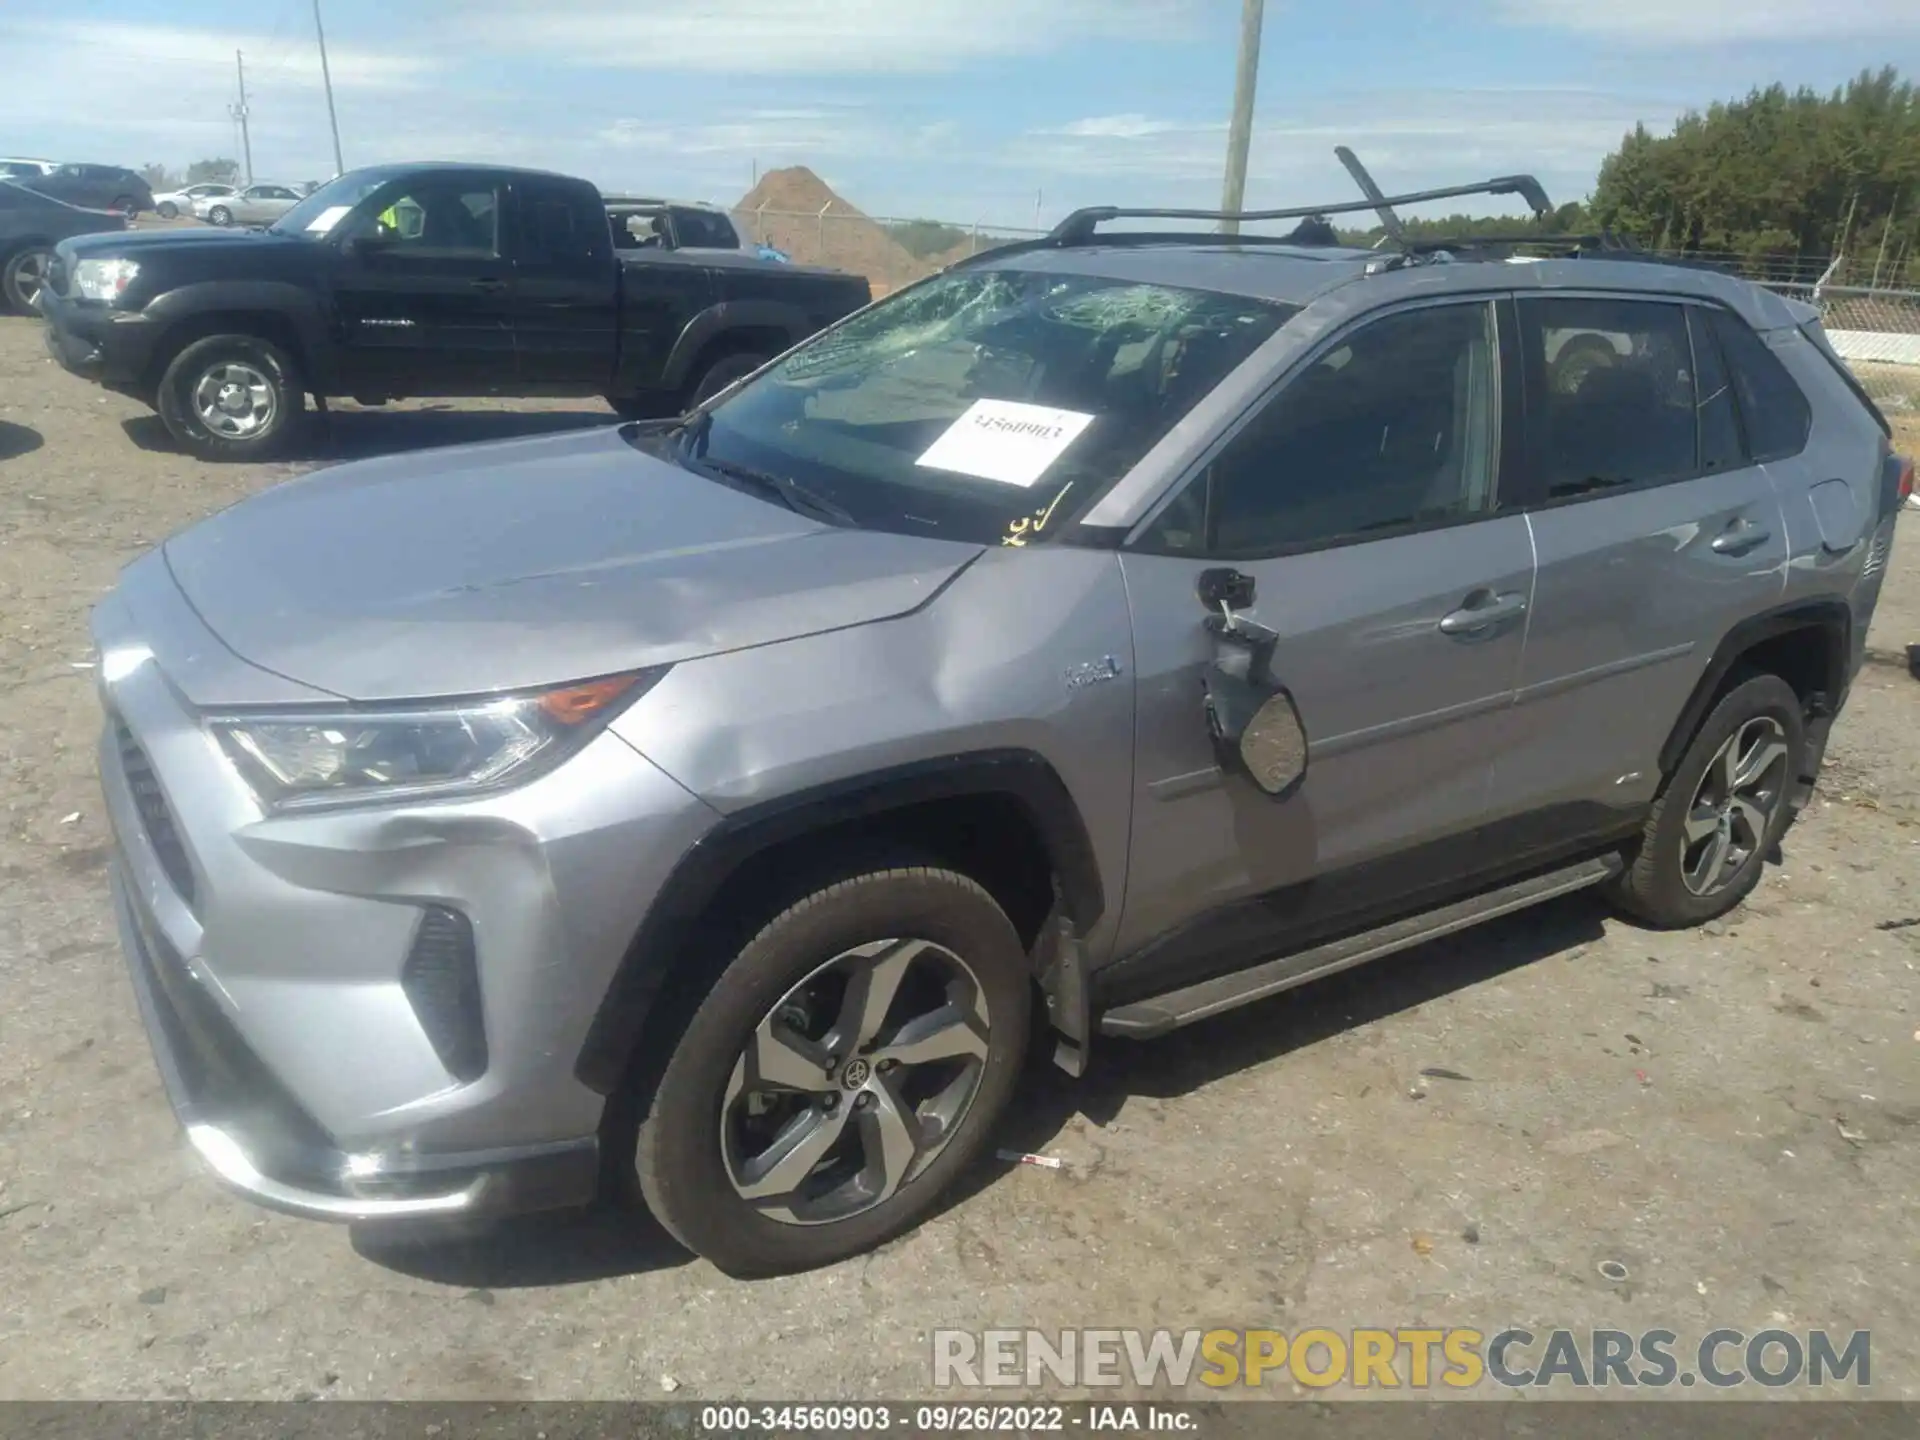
x=987, y=404
x=326, y=207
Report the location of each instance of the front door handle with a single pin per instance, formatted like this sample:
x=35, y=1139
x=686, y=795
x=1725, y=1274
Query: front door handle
x=489, y=286
x=1482, y=612
x=1740, y=537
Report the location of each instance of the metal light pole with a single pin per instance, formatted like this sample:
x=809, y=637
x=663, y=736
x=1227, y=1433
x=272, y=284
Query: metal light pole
x=1240, y=132
x=240, y=115
x=326, y=80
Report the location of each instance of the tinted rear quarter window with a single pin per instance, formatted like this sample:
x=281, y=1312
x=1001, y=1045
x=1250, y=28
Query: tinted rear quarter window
x=1772, y=408
x=702, y=230
x=1720, y=447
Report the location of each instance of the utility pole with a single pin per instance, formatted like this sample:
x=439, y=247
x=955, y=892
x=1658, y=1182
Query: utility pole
x=239, y=113
x=1240, y=132
x=326, y=80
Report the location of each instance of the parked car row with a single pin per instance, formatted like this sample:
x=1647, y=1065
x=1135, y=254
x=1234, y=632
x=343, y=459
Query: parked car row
x=93, y=187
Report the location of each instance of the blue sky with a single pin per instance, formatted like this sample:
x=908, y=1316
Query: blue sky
x=965, y=110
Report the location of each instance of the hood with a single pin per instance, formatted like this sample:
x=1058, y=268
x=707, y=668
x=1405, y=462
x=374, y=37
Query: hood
x=179, y=242
x=530, y=562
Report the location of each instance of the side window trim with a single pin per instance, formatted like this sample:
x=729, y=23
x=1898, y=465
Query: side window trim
x=1498, y=301
x=1706, y=310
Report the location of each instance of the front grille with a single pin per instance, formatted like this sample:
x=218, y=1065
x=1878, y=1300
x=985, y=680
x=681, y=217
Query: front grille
x=442, y=983
x=156, y=817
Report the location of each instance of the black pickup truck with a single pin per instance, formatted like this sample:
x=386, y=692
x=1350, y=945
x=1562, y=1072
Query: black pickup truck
x=415, y=280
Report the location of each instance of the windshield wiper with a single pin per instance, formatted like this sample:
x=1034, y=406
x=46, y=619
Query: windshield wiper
x=784, y=488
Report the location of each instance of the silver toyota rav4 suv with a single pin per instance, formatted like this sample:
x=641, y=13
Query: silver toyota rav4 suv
x=1103, y=633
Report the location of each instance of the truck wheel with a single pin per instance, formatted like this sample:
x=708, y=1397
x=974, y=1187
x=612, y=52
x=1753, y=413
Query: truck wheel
x=22, y=276
x=848, y=1064
x=1722, y=811
x=231, y=397
x=722, y=373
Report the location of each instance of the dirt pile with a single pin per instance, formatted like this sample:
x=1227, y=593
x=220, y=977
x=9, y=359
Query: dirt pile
x=794, y=210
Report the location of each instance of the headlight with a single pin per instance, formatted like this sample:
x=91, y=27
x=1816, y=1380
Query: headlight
x=313, y=758
x=104, y=279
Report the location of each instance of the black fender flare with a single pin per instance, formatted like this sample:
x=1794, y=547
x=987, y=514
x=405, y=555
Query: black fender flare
x=1831, y=616
x=656, y=949
x=716, y=321
x=299, y=307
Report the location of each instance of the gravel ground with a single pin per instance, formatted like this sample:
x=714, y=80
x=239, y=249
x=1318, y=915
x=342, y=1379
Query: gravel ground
x=1731, y=1115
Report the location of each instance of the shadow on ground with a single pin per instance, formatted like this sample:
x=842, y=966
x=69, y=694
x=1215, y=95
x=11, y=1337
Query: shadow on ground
x=363, y=434
x=609, y=1241
x=563, y=1248
x=16, y=440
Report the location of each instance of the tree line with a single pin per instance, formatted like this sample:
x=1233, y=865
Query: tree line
x=1777, y=184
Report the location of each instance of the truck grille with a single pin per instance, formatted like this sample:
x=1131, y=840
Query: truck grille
x=156, y=818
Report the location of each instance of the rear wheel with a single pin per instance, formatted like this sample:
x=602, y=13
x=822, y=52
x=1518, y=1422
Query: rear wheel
x=722, y=373
x=126, y=205
x=168, y=210
x=231, y=397
x=847, y=1065
x=21, y=277
x=1722, y=811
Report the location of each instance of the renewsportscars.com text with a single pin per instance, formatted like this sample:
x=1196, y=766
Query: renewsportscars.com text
x=1406, y=1357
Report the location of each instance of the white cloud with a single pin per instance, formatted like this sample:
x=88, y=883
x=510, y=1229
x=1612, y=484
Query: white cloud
x=1656, y=22
x=1409, y=139
x=93, y=85
x=817, y=37
x=1118, y=127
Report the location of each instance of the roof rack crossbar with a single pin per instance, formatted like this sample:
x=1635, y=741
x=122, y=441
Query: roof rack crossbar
x=1078, y=228
x=1389, y=221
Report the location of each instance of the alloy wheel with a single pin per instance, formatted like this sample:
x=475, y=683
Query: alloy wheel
x=851, y=1085
x=1734, y=806
x=234, y=399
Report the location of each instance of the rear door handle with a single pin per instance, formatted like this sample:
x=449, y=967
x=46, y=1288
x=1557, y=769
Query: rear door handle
x=490, y=286
x=1482, y=612
x=1740, y=537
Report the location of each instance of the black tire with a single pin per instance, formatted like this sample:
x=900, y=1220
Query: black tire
x=722, y=373
x=168, y=210
x=125, y=204
x=18, y=276
x=219, y=215
x=646, y=406
x=1654, y=887
x=191, y=368
x=678, y=1157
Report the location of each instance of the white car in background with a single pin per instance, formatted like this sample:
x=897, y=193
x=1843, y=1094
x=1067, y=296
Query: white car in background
x=12, y=168
x=181, y=202
x=255, y=205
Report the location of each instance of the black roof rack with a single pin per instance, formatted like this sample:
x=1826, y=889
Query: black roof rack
x=1079, y=227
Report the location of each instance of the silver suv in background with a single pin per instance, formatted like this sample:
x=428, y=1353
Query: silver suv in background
x=1117, y=628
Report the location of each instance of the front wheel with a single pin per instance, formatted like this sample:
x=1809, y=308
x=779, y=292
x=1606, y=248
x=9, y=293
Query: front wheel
x=21, y=277
x=231, y=397
x=168, y=210
x=1722, y=810
x=722, y=373
x=847, y=1065
x=220, y=215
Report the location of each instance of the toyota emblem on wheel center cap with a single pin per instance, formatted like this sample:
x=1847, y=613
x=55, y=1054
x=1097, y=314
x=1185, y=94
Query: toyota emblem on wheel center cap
x=856, y=1073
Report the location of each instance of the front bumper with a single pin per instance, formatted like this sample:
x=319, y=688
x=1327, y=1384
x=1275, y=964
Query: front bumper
x=115, y=348
x=274, y=959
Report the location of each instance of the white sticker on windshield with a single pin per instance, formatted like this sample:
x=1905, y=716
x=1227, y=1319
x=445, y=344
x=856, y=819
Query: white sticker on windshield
x=327, y=219
x=1006, y=441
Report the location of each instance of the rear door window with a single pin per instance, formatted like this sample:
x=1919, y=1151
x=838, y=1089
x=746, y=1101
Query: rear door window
x=1720, y=446
x=1610, y=394
x=703, y=230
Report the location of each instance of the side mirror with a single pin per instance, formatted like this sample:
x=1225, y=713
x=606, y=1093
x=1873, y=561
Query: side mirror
x=1252, y=718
